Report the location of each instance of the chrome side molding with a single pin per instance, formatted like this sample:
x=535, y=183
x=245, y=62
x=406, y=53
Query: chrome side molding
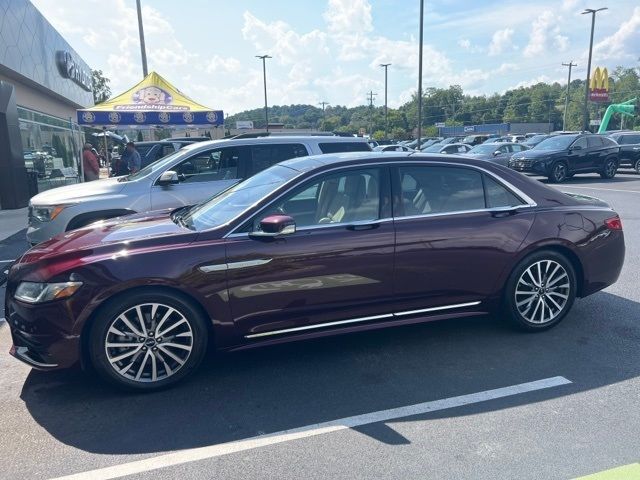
x=362, y=319
x=233, y=265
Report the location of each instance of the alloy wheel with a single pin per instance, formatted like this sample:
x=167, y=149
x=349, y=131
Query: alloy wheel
x=559, y=172
x=637, y=166
x=542, y=291
x=610, y=169
x=149, y=342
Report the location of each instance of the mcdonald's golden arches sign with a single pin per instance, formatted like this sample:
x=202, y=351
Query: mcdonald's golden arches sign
x=599, y=85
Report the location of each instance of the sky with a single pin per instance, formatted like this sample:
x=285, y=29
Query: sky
x=330, y=50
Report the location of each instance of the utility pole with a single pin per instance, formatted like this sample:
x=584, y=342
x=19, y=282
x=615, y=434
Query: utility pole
x=370, y=96
x=323, y=105
x=386, y=112
x=420, y=74
x=264, y=75
x=593, y=12
x=143, y=48
x=566, y=102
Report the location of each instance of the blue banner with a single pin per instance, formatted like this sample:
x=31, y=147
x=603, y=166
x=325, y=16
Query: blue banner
x=212, y=118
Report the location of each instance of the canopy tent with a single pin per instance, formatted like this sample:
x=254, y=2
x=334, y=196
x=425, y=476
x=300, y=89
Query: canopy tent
x=153, y=101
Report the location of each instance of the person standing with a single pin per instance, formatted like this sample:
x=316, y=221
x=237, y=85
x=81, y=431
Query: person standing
x=134, y=161
x=90, y=164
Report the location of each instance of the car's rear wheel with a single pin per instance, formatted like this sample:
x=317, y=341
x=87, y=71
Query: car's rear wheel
x=636, y=166
x=147, y=340
x=610, y=168
x=559, y=172
x=540, y=291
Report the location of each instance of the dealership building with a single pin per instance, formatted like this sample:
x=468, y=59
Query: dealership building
x=42, y=83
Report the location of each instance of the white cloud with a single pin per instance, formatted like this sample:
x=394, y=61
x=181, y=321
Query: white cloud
x=500, y=41
x=220, y=64
x=348, y=17
x=464, y=43
x=545, y=34
x=624, y=43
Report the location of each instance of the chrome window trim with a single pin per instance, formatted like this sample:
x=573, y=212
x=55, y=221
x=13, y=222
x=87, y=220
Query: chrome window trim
x=405, y=160
x=321, y=226
x=361, y=319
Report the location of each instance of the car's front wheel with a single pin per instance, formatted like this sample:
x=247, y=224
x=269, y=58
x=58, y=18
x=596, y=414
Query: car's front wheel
x=610, y=168
x=559, y=172
x=540, y=291
x=636, y=166
x=147, y=340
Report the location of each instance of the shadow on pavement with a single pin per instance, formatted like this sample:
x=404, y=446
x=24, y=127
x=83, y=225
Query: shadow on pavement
x=241, y=395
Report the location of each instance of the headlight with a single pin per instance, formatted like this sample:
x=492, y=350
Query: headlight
x=47, y=213
x=33, y=292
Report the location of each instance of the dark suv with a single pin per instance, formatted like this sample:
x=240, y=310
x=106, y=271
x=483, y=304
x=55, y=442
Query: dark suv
x=562, y=156
x=629, y=148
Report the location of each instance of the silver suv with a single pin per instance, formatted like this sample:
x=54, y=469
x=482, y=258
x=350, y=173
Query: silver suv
x=186, y=177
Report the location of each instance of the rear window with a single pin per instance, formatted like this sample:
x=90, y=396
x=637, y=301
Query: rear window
x=628, y=139
x=610, y=143
x=337, y=147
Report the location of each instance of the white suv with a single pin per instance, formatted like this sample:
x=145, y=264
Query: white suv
x=186, y=177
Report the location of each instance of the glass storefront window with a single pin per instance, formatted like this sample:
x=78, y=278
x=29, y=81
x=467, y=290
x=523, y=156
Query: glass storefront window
x=51, y=148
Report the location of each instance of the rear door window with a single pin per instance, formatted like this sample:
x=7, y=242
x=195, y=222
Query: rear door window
x=497, y=195
x=629, y=139
x=264, y=156
x=594, y=141
x=337, y=147
x=581, y=142
x=210, y=165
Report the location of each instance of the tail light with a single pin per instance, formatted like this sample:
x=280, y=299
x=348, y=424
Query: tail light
x=613, y=223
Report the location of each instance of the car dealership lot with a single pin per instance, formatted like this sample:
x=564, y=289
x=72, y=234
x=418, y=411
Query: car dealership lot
x=64, y=423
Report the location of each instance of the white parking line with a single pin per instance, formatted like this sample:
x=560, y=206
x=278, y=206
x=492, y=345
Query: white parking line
x=212, y=451
x=596, y=188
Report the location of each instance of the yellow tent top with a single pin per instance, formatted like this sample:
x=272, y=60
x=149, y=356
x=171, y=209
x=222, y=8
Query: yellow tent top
x=153, y=101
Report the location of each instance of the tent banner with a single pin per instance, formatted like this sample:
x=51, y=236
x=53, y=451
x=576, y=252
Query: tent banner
x=119, y=117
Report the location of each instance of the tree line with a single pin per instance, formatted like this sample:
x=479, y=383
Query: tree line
x=542, y=102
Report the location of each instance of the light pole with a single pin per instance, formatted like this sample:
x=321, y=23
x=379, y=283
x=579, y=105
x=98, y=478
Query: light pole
x=264, y=74
x=593, y=12
x=420, y=75
x=143, y=49
x=324, y=104
x=386, y=116
x=566, y=102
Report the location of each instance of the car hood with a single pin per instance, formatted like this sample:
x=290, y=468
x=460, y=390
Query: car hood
x=533, y=154
x=109, y=239
x=78, y=192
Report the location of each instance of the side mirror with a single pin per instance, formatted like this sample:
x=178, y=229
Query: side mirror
x=168, y=178
x=275, y=225
x=496, y=153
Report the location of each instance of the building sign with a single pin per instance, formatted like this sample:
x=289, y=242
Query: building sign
x=469, y=129
x=599, y=85
x=240, y=124
x=71, y=69
x=440, y=124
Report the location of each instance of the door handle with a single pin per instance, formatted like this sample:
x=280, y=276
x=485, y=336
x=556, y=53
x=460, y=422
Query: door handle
x=363, y=226
x=503, y=211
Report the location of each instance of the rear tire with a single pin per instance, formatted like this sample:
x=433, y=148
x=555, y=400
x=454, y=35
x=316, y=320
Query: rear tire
x=163, y=336
x=559, y=172
x=540, y=291
x=610, y=168
x=636, y=166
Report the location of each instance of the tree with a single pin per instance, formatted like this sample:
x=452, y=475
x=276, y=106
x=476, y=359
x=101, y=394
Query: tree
x=101, y=89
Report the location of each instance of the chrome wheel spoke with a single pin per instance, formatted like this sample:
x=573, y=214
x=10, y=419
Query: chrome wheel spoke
x=135, y=348
x=542, y=291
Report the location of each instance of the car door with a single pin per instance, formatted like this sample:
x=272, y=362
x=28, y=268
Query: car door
x=504, y=152
x=629, y=149
x=578, y=156
x=457, y=230
x=201, y=176
x=336, y=267
x=597, y=152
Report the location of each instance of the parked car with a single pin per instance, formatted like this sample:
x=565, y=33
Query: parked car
x=392, y=148
x=448, y=149
x=477, y=139
x=155, y=150
x=562, y=156
x=186, y=177
x=428, y=143
x=531, y=134
x=629, y=148
x=503, y=139
x=535, y=140
x=304, y=249
x=496, y=152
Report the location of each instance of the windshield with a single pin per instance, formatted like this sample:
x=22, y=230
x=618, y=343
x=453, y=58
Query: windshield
x=230, y=203
x=560, y=142
x=483, y=148
x=155, y=166
x=535, y=139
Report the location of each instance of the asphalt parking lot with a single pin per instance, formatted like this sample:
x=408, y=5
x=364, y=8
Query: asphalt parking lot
x=459, y=399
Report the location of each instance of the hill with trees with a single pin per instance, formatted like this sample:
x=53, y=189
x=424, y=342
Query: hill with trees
x=541, y=102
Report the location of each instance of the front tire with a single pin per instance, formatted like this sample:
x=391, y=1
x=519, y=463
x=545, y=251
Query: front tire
x=148, y=340
x=610, y=168
x=636, y=166
x=559, y=172
x=540, y=291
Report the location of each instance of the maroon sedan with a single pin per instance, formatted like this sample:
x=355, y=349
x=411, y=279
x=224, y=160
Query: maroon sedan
x=309, y=247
